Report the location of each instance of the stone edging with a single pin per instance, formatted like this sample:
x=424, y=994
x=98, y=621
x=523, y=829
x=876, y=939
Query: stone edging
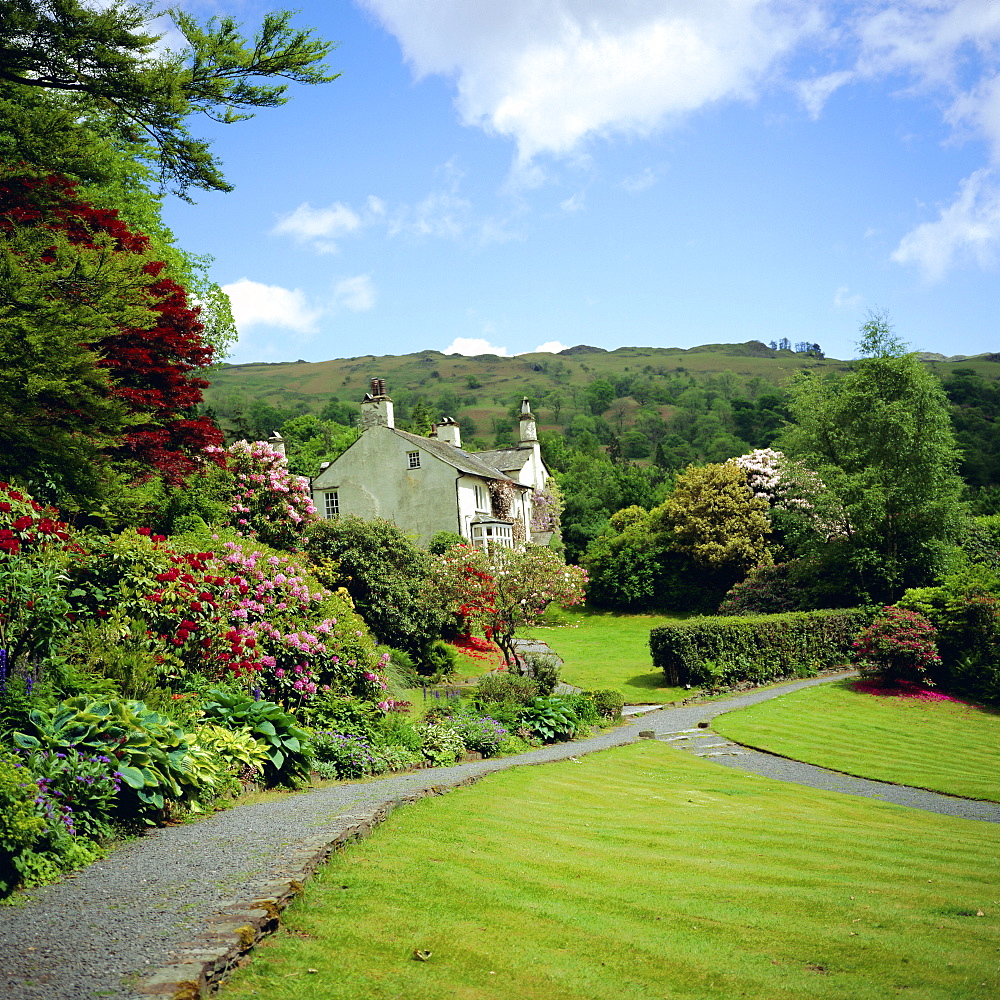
x=231, y=936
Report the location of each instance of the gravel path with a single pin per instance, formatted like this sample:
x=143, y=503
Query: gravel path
x=148, y=905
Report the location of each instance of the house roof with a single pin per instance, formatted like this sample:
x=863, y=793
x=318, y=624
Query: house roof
x=455, y=457
x=506, y=459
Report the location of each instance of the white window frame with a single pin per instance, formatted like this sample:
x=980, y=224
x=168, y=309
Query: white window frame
x=482, y=498
x=331, y=504
x=413, y=459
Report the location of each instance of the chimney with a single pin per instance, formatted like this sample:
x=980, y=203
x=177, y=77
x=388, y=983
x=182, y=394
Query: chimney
x=376, y=407
x=448, y=430
x=529, y=435
x=277, y=443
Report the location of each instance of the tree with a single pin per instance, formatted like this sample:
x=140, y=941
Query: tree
x=388, y=577
x=600, y=395
x=503, y=590
x=101, y=76
x=881, y=441
x=714, y=518
x=99, y=347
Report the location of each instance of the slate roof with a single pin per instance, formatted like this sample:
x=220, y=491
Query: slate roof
x=455, y=457
x=506, y=459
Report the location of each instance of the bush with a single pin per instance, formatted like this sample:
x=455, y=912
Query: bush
x=438, y=660
x=387, y=576
x=723, y=651
x=479, y=732
x=442, y=744
x=505, y=688
x=336, y=755
x=608, y=702
x=335, y=713
x=20, y=824
x=543, y=669
x=441, y=541
x=898, y=646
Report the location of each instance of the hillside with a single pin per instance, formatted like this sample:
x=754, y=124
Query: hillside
x=481, y=391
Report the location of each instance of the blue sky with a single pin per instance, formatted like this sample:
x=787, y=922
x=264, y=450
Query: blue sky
x=498, y=176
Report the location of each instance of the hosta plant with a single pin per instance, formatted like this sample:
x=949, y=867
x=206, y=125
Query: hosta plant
x=283, y=739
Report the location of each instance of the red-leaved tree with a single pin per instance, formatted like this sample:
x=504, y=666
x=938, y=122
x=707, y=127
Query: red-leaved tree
x=150, y=369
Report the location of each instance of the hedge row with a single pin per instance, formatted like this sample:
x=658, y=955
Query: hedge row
x=720, y=651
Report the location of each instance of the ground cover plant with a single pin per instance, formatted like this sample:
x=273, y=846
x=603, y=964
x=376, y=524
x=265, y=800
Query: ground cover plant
x=645, y=873
x=924, y=740
x=604, y=649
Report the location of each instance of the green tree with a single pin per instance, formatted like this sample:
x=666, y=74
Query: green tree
x=713, y=517
x=108, y=80
x=881, y=441
x=387, y=576
x=600, y=395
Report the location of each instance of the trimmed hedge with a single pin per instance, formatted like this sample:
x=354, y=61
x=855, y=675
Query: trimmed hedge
x=720, y=651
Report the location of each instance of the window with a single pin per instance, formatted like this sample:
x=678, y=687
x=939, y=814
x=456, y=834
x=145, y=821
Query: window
x=413, y=459
x=482, y=498
x=331, y=504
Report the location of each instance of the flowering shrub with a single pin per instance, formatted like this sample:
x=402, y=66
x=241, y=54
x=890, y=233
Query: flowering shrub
x=336, y=755
x=26, y=525
x=269, y=503
x=503, y=590
x=898, y=645
x=546, y=507
x=240, y=612
x=479, y=732
x=75, y=789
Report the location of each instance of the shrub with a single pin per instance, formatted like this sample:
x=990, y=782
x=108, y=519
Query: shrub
x=543, y=669
x=339, y=714
x=441, y=541
x=608, y=702
x=505, y=688
x=479, y=732
x=438, y=660
x=714, y=651
x=269, y=503
x=898, y=645
x=20, y=824
x=338, y=755
x=441, y=744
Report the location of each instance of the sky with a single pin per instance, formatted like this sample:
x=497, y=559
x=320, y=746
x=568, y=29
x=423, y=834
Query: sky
x=506, y=177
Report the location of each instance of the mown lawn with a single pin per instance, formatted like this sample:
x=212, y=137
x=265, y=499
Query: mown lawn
x=603, y=649
x=642, y=872
x=940, y=745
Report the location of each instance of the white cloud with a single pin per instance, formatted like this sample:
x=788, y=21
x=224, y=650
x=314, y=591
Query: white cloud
x=552, y=73
x=471, y=346
x=574, y=203
x=967, y=228
x=256, y=304
x=320, y=227
x=550, y=347
x=843, y=299
x=640, y=182
x=356, y=294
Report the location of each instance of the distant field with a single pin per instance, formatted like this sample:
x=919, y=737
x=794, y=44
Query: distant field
x=640, y=873
x=943, y=746
x=602, y=649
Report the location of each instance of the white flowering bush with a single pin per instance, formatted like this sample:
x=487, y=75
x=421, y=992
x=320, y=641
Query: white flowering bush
x=269, y=503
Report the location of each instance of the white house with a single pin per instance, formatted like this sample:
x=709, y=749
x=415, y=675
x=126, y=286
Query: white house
x=430, y=484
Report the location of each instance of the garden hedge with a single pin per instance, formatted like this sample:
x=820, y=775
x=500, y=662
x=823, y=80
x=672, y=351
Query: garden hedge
x=719, y=651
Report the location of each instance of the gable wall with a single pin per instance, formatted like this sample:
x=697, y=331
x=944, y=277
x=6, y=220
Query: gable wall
x=372, y=479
